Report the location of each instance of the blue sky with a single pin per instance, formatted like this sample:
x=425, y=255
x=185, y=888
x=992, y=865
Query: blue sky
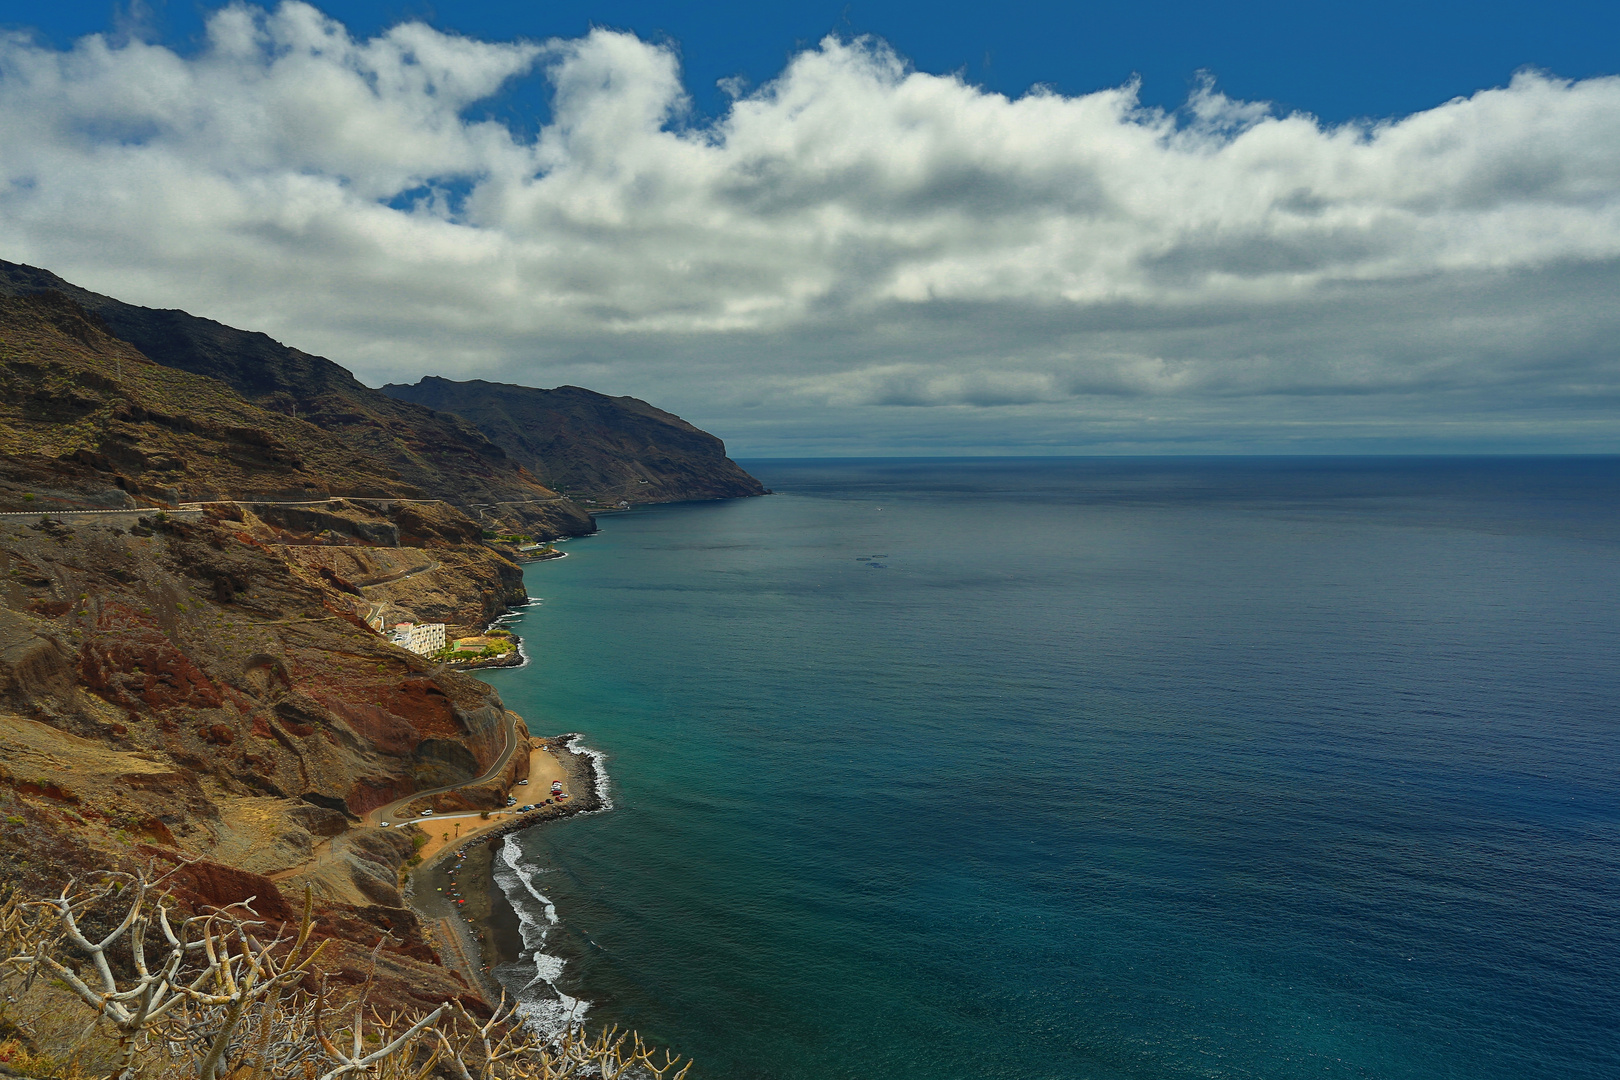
x=944, y=228
x=1336, y=59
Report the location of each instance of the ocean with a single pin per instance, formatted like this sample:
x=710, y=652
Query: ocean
x=1093, y=768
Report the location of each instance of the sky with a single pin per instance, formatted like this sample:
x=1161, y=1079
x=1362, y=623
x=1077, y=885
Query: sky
x=885, y=228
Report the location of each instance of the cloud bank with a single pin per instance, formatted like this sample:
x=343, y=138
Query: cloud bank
x=855, y=256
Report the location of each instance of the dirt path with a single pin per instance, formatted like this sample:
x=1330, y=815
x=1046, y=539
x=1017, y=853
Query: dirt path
x=390, y=579
x=367, y=608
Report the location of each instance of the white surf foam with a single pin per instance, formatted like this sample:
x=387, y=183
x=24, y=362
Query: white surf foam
x=544, y=1007
x=523, y=654
x=552, y=1018
x=576, y=744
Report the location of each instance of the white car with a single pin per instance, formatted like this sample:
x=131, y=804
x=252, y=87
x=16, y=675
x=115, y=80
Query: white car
x=382, y=824
x=427, y=813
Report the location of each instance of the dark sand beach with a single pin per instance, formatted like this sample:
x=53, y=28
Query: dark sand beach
x=455, y=891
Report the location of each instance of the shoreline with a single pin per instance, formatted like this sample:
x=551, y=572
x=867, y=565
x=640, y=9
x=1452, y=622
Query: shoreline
x=516, y=658
x=482, y=929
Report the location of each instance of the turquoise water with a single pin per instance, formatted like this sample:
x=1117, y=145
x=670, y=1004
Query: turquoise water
x=1147, y=769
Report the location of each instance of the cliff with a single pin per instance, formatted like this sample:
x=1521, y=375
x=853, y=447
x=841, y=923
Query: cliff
x=87, y=421
x=199, y=686
x=198, y=529
x=599, y=448
x=177, y=690
x=424, y=452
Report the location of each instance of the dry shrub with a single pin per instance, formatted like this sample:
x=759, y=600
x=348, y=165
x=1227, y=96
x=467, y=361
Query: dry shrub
x=220, y=995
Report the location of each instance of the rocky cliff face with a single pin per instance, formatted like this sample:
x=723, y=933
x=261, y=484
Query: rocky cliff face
x=87, y=421
x=195, y=690
x=202, y=644
x=200, y=687
x=423, y=452
x=590, y=445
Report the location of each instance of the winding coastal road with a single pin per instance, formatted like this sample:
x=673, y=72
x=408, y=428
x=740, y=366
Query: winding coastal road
x=381, y=814
x=190, y=509
x=97, y=515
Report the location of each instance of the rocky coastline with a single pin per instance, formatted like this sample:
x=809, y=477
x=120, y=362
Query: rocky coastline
x=480, y=934
x=515, y=658
x=202, y=535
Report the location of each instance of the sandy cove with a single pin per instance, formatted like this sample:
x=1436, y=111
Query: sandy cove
x=454, y=891
x=455, y=829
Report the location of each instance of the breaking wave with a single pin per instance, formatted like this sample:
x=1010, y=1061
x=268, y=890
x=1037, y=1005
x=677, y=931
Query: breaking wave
x=544, y=1007
x=576, y=744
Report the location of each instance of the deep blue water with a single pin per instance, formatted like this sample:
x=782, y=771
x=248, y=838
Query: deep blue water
x=1113, y=768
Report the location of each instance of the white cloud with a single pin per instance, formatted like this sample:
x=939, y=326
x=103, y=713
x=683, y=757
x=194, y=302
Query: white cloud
x=852, y=248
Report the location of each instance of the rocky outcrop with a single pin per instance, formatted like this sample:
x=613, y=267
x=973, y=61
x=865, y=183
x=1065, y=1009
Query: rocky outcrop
x=335, y=522
x=201, y=644
x=203, y=885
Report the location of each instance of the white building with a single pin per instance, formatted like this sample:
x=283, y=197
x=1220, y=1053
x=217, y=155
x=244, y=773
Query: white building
x=422, y=639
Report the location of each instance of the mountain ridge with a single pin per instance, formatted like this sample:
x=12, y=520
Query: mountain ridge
x=87, y=421
x=209, y=686
x=436, y=454
x=577, y=440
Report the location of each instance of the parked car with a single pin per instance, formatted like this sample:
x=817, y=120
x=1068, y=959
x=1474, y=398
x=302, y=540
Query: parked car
x=522, y=783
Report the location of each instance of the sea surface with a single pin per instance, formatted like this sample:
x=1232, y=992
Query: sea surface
x=1094, y=768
